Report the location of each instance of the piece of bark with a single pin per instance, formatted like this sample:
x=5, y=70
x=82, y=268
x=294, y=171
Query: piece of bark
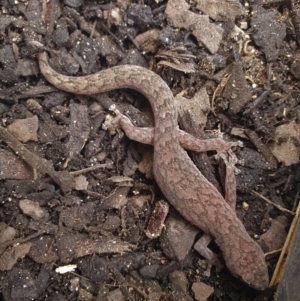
x=237, y=90
x=178, y=15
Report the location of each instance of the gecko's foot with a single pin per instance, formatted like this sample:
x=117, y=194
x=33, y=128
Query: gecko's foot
x=113, y=123
x=206, y=267
x=207, y=264
x=114, y=109
x=229, y=157
x=201, y=246
x=227, y=149
x=237, y=143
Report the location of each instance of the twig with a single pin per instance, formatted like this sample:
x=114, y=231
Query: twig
x=88, y=169
x=272, y=203
x=63, y=178
x=274, y=252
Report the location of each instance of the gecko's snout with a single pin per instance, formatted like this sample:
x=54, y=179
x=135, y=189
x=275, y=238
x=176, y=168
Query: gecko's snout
x=250, y=266
x=258, y=279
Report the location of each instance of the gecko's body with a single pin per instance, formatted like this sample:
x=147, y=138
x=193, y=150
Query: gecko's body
x=193, y=196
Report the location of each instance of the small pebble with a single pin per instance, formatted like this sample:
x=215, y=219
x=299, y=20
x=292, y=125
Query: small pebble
x=245, y=206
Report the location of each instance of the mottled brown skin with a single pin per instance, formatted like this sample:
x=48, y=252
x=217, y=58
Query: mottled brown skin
x=181, y=182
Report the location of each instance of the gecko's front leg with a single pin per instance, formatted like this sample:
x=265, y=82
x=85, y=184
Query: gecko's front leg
x=146, y=135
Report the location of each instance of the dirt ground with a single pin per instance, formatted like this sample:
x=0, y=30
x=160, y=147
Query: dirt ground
x=77, y=201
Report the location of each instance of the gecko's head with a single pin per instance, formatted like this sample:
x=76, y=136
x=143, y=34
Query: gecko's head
x=248, y=264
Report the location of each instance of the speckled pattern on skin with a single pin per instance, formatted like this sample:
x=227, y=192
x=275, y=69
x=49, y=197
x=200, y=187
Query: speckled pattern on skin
x=193, y=196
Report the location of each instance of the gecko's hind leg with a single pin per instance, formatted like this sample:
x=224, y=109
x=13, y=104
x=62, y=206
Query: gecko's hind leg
x=201, y=246
x=230, y=160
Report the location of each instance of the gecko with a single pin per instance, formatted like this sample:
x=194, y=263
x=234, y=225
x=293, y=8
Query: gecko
x=181, y=182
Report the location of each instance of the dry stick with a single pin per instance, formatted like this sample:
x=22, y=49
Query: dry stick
x=296, y=200
x=285, y=249
x=254, y=138
x=65, y=180
x=219, y=90
x=92, y=168
x=209, y=76
x=272, y=203
x=274, y=252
